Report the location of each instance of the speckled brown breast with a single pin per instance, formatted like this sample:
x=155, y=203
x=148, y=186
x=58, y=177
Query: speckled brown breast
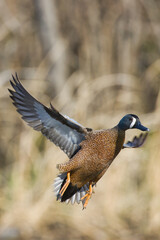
x=96, y=154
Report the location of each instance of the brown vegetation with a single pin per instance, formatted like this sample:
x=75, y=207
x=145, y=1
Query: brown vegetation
x=96, y=61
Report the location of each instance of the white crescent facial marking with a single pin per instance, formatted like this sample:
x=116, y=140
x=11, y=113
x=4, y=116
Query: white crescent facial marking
x=133, y=122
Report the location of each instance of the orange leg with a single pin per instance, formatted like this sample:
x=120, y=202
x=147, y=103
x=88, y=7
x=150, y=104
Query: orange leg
x=87, y=196
x=63, y=189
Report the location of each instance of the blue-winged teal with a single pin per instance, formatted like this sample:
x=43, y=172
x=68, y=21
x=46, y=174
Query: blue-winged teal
x=90, y=152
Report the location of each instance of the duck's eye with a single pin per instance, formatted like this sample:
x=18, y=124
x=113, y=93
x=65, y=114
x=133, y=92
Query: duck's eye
x=130, y=119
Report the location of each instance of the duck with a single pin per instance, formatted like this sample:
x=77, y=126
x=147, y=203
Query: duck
x=90, y=152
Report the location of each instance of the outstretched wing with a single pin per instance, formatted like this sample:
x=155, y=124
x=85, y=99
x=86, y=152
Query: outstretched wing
x=61, y=130
x=136, y=142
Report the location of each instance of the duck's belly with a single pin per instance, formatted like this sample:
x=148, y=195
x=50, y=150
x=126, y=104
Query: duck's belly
x=90, y=170
x=94, y=158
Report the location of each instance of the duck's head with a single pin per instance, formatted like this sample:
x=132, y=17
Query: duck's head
x=130, y=121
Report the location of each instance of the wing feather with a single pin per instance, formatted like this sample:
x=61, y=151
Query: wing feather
x=61, y=130
x=136, y=142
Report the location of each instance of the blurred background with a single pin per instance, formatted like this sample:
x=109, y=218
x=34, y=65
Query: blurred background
x=95, y=60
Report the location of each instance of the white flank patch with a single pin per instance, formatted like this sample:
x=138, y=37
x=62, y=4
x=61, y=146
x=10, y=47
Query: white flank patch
x=133, y=122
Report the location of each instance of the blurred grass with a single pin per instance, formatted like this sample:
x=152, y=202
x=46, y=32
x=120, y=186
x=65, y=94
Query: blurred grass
x=110, y=50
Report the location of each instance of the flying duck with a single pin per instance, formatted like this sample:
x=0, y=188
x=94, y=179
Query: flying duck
x=90, y=152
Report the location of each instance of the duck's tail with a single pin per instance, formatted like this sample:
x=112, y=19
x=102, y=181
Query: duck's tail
x=72, y=194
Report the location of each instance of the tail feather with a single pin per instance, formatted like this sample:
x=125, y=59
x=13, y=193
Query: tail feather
x=72, y=193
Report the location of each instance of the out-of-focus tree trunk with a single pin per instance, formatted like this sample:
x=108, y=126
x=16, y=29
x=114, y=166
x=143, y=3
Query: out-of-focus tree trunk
x=52, y=45
x=127, y=37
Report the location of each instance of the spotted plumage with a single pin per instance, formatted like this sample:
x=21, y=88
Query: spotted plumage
x=90, y=152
